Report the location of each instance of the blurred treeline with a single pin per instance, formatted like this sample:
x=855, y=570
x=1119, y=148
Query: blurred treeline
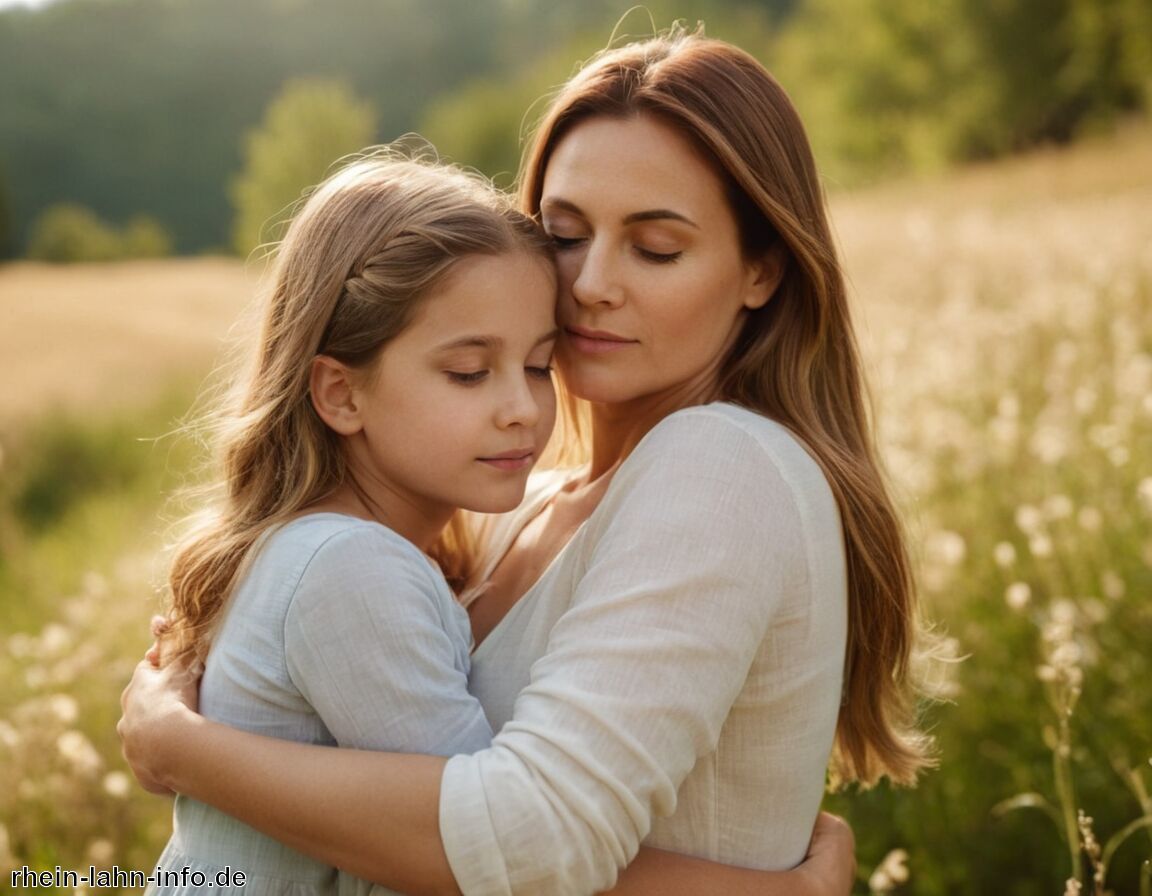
x=141, y=112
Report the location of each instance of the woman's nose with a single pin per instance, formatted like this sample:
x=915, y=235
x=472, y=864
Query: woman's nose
x=597, y=279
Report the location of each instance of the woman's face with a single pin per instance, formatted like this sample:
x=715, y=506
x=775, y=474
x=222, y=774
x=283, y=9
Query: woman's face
x=653, y=283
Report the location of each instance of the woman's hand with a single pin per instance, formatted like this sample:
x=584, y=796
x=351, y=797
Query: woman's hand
x=830, y=865
x=154, y=706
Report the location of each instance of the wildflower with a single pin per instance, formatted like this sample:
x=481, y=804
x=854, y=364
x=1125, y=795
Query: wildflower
x=1144, y=493
x=78, y=752
x=947, y=547
x=1058, y=507
x=1018, y=595
x=1073, y=887
x=1040, y=545
x=1028, y=518
x=101, y=852
x=1008, y=405
x=117, y=784
x=890, y=873
x=1004, y=554
x=9, y=736
x=1090, y=519
x=1112, y=585
x=64, y=708
x=55, y=639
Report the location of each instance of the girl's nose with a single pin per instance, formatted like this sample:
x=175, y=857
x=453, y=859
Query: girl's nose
x=518, y=405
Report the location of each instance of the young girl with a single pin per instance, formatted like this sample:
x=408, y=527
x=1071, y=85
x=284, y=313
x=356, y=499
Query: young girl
x=402, y=372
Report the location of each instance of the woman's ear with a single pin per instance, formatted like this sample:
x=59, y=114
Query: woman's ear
x=765, y=274
x=333, y=396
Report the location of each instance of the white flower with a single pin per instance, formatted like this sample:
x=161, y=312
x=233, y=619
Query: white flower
x=890, y=873
x=117, y=784
x=1090, y=519
x=1028, y=518
x=1040, y=545
x=1144, y=494
x=1018, y=595
x=1058, y=507
x=1004, y=554
x=78, y=752
x=64, y=708
x=101, y=852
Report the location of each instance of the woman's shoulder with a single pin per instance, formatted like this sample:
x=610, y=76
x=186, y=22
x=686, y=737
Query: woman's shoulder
x=724, y=437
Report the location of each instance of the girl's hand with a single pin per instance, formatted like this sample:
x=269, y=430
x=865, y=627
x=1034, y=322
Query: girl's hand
x=155, y=707
x=830, y=865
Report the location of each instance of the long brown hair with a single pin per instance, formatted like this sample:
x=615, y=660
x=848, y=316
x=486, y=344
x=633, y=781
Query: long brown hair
x=366, y=247
x=796, y=359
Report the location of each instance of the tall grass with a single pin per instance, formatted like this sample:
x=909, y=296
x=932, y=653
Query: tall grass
x=80, y=533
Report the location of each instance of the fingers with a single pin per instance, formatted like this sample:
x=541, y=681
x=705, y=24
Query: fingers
x=159, y=625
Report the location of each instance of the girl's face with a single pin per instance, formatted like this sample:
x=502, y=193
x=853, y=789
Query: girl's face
x=653, y=283
x=461, y=404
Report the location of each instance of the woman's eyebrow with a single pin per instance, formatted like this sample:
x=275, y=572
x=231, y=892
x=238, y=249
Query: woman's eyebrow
x=655, y=214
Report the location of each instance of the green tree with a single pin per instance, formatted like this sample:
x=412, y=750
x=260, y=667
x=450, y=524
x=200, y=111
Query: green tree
x=145, y=237
x=308, y=126
x=69, y=232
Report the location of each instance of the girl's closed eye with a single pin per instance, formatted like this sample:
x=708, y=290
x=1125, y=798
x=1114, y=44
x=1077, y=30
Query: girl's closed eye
x=540, y=373
x=466, y=378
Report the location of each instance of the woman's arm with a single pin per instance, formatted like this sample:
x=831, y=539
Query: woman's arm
x=374, y=814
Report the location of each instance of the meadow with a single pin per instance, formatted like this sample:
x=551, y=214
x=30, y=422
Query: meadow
x=1006, y=315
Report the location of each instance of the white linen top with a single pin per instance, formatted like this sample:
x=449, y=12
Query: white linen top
x=340, y=632
x=673, y=678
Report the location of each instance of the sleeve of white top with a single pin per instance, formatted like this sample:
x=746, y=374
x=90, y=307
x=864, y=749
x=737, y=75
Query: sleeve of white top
x=683, y=566
x=369, y=647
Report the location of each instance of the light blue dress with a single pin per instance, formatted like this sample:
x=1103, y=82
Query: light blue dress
x=340, y=632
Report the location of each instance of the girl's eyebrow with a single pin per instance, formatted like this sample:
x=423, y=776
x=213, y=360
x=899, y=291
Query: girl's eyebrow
x=655, y=214
x=490, y=342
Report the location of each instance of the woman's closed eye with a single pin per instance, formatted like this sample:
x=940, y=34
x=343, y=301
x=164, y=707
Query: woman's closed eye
x=565, y=242
x=540, y=373
x=657, y=257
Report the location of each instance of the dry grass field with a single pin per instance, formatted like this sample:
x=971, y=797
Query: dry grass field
x=100, y=337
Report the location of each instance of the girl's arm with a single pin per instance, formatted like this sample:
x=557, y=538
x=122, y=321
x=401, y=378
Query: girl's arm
x=374, y=814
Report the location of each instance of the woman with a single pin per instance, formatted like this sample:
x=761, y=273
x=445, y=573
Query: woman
x=664, y=635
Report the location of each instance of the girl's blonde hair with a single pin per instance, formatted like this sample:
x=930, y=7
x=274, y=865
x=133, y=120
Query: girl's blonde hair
x=366, y=247
x=796, y=359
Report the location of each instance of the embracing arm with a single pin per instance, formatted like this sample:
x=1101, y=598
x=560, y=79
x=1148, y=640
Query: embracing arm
x=635, y=685
x=375, y=814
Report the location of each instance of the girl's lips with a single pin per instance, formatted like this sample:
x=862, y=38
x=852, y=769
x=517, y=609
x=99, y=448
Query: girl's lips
x=596, y=342
x=510, y=461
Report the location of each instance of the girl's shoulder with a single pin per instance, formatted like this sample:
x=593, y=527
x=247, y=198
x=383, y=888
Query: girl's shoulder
x=330, y=544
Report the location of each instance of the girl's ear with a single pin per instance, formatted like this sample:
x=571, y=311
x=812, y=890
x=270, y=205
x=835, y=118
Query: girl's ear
x=765, y=274
x=333, y=397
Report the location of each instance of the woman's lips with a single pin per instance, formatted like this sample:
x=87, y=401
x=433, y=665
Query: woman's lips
x=596, y=342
